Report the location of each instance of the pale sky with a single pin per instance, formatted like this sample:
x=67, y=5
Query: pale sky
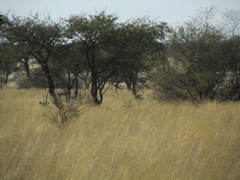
x=170, y=11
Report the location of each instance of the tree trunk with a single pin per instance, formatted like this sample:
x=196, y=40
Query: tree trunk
x=101, y=96
x=76, y=86
x=1, y=83
x=200, y=95
x=128, y=83
x=85, y=80
x=69, y=87
x=133, y=87
x=131, y=83
x=95, y=89
x=6, y=77
x=26, y=66
x=51, y=88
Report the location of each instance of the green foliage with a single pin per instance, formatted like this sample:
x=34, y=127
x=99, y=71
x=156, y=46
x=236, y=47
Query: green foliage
x=96, y=34
x=231, y=51
x=36, y=38
x=196, y=67
x=196, y=61
x=116, y=51
x=8, y=61
x=202, y=64
x=142, y=41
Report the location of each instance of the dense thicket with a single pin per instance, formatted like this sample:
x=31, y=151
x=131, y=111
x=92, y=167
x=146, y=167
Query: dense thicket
x=94, y=48
x=197, y=61
x=202, y=60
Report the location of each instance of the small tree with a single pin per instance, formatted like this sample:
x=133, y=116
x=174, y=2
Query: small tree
x=142, y=39
x=8, y=61
x=196, y=67
x=97, y=34
x=231, y=22
x=38, y=38
x=68, y=62
x=231, y=51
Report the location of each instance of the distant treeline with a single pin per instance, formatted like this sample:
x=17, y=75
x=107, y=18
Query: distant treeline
x=198, y=60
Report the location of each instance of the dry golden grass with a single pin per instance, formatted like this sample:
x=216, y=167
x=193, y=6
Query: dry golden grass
x=151, y=140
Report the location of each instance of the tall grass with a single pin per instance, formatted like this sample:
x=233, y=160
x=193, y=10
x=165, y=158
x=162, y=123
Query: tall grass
x=150, y=140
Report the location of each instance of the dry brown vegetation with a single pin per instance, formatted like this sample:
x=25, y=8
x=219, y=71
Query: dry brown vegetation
x=150, y=140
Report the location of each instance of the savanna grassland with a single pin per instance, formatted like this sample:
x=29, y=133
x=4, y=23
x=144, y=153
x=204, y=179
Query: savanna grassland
x=150, y=140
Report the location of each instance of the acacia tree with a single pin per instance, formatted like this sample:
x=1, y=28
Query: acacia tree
x=196, y=68
x=37, y=38
x=67, y=63
x=8, y=61
x=231, y=90
x=24, y=56
x=143, y=39
x=231, y=22
x=97, y=34
x=8, y=53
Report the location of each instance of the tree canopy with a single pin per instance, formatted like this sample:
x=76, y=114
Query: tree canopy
x=196, y=60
